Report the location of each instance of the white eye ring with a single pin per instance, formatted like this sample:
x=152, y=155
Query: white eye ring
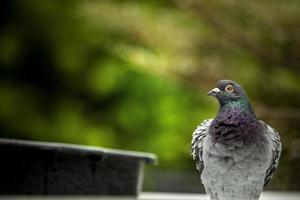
x=229, y=88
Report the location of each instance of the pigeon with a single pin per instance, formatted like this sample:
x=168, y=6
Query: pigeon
x=235, y=153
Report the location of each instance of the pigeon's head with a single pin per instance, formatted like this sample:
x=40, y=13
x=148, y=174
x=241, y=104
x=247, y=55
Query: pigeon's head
x=228, y=91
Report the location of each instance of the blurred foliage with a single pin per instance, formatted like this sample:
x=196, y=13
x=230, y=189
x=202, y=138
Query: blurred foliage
x=134, y=74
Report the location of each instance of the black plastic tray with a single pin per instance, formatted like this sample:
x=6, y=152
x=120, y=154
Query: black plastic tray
x=44, y=168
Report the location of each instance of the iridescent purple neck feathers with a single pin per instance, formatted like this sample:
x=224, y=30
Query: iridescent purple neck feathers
x=234, y=123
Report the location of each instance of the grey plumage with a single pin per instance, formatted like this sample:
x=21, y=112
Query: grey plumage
x=197, y=143
x=235, y=153
x=276, y=151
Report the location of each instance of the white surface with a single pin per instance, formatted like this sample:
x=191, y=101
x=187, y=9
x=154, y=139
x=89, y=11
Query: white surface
x=155, y=196
x=180, y=196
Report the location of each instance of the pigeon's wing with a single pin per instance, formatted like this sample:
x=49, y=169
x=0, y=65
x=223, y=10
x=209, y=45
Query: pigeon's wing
x=274, y=139
x=197, y=143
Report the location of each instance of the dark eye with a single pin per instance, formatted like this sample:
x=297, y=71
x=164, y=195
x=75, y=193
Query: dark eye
x=229, y=88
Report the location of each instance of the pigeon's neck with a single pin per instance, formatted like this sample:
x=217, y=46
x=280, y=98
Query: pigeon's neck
x=234, y=120
x=237, y=108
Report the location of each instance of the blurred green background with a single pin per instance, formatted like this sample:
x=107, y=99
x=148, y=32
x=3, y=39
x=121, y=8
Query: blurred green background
x=134, y=75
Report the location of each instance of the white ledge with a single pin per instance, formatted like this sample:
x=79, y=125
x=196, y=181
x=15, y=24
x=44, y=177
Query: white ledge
x=155, y=196
x=187, y=196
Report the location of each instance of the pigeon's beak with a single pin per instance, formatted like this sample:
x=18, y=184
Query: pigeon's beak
x=214, y=92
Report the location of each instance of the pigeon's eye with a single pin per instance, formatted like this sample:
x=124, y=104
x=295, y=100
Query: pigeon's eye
x=229, y=88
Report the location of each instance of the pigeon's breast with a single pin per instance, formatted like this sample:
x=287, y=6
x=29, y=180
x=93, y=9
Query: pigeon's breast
x=234, y=173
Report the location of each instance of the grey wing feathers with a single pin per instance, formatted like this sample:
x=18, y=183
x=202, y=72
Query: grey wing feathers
x=276, y=152
x=197, y=143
